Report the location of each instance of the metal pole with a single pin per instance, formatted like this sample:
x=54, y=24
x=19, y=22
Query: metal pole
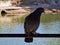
x=23, y=35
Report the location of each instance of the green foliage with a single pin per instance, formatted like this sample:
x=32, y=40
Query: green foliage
x=45, y=18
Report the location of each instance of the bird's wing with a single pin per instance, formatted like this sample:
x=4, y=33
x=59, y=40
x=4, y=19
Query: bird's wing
x=30, y=26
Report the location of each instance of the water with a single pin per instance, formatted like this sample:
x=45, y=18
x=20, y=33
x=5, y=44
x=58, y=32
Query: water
x=50, y=24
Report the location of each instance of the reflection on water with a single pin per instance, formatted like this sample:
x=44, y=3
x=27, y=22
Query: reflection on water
x=37, y=41
x=11, y=25
x=49, y=28
x=49, y=24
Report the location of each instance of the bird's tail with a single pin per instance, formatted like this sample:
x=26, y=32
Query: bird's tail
x=30, y=39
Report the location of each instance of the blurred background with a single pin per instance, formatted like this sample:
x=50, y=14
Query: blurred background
x=17, y=10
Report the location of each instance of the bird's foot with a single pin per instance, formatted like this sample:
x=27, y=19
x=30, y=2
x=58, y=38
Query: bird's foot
x=31, y=34
x=35, y=34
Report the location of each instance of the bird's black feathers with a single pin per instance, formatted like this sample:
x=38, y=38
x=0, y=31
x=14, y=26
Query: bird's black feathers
x=32, y=22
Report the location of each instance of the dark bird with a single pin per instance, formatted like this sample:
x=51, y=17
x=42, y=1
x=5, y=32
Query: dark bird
x=31, y=24
x=3, y=13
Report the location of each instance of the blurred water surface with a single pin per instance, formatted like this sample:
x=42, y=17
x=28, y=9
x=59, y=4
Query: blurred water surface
x=50, y=24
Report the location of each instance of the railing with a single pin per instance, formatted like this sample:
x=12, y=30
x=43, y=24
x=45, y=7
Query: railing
x=23, y=35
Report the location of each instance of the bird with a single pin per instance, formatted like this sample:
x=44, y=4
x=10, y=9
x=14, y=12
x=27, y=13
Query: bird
x=31, y=24
x=3, y=13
